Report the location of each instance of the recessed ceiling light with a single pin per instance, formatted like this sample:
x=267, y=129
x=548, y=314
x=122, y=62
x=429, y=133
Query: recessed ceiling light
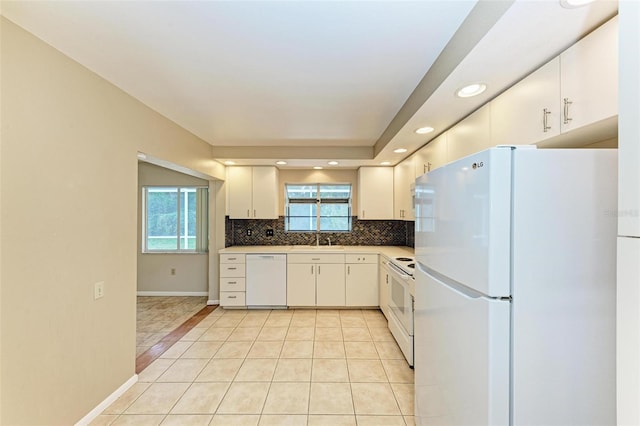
x=229, y=163
x=385, y=163
x=281, y=163
x=317, y=167
x=399, y=150
x=572, y=4
x=333, y=163
x=424, y=130
x=471, y=90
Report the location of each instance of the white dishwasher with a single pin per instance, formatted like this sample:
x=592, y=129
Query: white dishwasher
x=266, y=280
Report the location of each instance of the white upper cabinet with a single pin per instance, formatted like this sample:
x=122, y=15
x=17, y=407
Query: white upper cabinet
x=253, y=192
x=471, y=135
x=573, y=90
x=375, y=193
x=431, y=156
x=529, y=111
x=403, y=177
x=589, y=78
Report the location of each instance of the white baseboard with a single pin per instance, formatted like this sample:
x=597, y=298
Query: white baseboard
x=213, y=302
x=172, y=293
x=107, y=402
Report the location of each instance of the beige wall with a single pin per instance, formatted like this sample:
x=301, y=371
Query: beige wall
x=154, y=269
x=318, y=176
x=68, y=215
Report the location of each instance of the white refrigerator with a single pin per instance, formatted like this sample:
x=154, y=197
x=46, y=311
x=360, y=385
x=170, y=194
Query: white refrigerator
x=515, y=289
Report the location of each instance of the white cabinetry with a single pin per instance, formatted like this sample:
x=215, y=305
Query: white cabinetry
x=589, y=78
x=375, y=193
x=361, y=281
x=232, y=280
x=383, y=286
x=471, y=135
x=301, y=283
x=253, y=192
x=573, y=90
x=315, y=280
x=431, y=156
x=403, y=177
x=529, y=111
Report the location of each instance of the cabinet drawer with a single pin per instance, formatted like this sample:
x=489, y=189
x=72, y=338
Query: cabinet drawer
x=362, y=258
x=315, y=258
x=231, y=258
x=231, y=270
x=232, y=284
x=232, y=298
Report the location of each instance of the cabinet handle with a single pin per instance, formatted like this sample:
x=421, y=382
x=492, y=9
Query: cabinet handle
x=567, y=119
x=232, y=297
x=348, y=270
x=254, y=212
x=311, y=269
x=318, y=269
x=232, y=269
x=232, y=282
x=232, y=258
x=545, y=120
x=315, y=258
x=248, y=214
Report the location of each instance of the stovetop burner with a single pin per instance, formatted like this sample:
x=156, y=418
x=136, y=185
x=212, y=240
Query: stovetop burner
x=411, y=265
x=404, y=259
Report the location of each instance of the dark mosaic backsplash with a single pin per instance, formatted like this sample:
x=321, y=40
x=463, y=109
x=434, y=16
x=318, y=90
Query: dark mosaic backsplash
x=364, y=232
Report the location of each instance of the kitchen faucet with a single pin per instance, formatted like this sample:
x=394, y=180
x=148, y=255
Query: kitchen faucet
x=329, y=240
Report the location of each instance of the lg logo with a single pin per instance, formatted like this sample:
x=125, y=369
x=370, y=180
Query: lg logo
x=477, y=165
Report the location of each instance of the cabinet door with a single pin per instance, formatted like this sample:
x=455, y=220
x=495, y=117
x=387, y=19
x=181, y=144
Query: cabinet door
x=528, y=112
x=330, y=285
x=589, y=78
x=361, y=286
x=239, y=185
x=265, y=193
x=301, y=284
x=383, y=288
x=471, y=135
x=375, y=193
x=431, y=156
x=403, y=177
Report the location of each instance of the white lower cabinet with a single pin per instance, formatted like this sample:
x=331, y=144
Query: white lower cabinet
x=232, y=280
x=301, y=284
x=315, y=280
x=383, y=286
x=330, y=285
x=361, y=280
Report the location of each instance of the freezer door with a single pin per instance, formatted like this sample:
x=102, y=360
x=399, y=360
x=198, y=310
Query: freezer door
x=461, y=356
x=463, y=219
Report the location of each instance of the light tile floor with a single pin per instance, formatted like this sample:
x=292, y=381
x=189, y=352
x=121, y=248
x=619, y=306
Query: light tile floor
x=280, y=367
x=157, y=316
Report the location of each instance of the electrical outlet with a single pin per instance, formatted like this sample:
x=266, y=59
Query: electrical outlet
x=173, y=271
x=269, y=232
x=249, y=232
x=98, y=290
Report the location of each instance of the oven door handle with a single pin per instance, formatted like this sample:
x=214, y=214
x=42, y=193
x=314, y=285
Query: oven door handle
x=398, y=272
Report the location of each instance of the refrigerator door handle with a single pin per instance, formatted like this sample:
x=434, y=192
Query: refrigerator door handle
x=461, y=289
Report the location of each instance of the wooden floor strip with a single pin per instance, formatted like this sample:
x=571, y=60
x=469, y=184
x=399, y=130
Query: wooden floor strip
x=154, y=352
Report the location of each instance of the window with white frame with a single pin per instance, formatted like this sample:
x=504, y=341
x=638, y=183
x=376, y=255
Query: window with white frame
x=175, y=219
x=318, y=207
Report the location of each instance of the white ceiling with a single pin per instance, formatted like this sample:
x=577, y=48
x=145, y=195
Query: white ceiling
x=326, y=76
